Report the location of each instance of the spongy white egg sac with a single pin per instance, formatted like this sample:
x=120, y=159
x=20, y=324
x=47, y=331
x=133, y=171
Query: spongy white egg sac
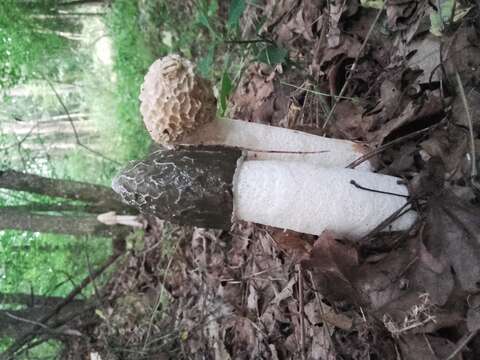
x=174, y=101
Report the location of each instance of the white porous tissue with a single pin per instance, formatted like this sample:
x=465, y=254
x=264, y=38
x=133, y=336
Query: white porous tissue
x=310, y=199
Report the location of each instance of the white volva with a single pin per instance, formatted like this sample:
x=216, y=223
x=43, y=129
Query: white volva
x=311, y=199
x=264, y=142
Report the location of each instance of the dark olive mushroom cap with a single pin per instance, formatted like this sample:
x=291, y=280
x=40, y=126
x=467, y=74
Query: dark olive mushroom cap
x=187, y=185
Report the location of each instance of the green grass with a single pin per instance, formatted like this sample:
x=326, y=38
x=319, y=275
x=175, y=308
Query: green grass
x=131, y=61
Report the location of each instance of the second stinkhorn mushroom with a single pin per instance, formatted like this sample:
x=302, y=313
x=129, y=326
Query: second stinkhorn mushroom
x=209, y=186
x=178, y=107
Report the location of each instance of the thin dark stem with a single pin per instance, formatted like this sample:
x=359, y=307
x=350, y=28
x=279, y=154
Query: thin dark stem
x=358, y=186
x=249, y=41
x=397, y=214
x=378, y=150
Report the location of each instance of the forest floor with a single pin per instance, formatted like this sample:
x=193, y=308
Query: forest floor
x=396, y=77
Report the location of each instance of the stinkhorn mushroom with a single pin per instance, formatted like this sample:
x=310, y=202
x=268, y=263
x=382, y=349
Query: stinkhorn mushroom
x=209, y=186
x=179, y=107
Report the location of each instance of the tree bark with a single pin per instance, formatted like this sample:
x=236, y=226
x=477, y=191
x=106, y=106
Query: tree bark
x=101, y=197
x=79, y=225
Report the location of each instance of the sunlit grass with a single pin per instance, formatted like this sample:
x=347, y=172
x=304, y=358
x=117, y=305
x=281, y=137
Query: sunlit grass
x=131, y=61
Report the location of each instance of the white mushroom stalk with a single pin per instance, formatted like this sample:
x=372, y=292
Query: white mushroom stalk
x=208, y=187
x=178, y=107
x=111, y=218
x=309, y=199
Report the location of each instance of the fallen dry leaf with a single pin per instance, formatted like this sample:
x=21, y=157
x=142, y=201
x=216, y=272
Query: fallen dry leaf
x=426, y=347
x=454, y=234
x=332, y=264
x=317, y=314
x=473, y=314
x=292, y=243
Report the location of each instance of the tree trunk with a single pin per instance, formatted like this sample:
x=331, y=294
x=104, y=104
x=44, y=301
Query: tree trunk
x=32, y=300
x=50, y=208
x=81, y=2
x=15, y=323
x=58, y=124
x=101, y=197
x=79, y=225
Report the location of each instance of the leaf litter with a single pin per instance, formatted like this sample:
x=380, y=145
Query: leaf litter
x=262, y=293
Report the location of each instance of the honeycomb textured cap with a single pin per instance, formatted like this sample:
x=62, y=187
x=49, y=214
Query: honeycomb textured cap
x=174, y=101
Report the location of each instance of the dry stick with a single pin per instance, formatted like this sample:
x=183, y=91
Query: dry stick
x=302, y=312
x=354, y=67
x=378, y=150
x=397, y=214
x=25, y=338
x=461, y=344
x=77, y=137
x=473, y=172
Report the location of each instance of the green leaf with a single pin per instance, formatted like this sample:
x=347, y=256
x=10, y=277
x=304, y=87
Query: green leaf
x=207, y=12
x=205, y=64
x=273, y=55
x=226, y=88
x=237, y=7
x=374, y=4
x=259, y=24
x=202, y=18
x=441, y=17
x=212, y=8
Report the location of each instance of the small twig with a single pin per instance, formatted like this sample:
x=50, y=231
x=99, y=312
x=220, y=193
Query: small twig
x=315, y=92
x=354, y=66
x=380, y=149
x=397, y=214
x=28, y=321
x=358, y=186
x=461, y=344
x=473, y=159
